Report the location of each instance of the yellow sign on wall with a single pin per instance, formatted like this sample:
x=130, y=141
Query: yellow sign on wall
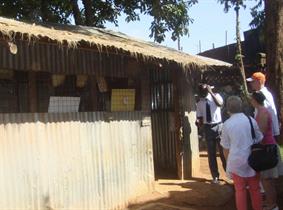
x=123, y=100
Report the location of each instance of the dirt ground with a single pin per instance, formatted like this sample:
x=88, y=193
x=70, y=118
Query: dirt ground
x=197, y=193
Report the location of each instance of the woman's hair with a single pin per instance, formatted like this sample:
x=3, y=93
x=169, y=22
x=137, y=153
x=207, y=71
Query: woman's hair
x=259, y=97
x=234, y=104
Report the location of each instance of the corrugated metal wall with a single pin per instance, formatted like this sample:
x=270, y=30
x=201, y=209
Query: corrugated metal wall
x=74, y=160
x=164, y=142
x=55, y=59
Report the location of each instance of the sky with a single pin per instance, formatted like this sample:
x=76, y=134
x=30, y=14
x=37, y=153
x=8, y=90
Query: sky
x=211, y=26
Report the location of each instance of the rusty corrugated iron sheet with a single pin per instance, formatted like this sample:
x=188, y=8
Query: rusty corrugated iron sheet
x=163, y=122
x=81, y=161
x=40, y=56
x=164, y=141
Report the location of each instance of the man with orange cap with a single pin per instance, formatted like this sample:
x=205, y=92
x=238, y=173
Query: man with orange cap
x=257, y=83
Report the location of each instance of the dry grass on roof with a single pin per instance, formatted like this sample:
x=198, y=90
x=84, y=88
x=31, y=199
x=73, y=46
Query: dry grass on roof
x=73, y=35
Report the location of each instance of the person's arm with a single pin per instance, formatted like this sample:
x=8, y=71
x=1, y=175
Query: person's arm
x=225, y=141
x=199, y=120
x=226, y=153
x=258, y=133
x=218, y=100
x=262, y=121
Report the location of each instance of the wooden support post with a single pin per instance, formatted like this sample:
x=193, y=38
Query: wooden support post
x=32, y=90
x=177, y=124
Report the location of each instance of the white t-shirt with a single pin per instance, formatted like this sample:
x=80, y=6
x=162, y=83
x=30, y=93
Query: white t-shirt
x=270, y=105
x=236, y=136
x=214, y=109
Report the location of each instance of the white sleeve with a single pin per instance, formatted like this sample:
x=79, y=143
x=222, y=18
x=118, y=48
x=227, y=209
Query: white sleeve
x=270, y=105
x=219, y=97
x=199, y=109
x=270, y=101
x=275, y=122
x=225, y=139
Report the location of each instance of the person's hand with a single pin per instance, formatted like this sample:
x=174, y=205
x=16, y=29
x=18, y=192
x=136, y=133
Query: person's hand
x=208, y=87
x=199, y=123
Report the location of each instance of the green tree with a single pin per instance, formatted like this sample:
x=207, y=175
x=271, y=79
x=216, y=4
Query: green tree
x=236, y=4
x=36, y=10
x=258, y=15
x=271, y=20
x=168, y=15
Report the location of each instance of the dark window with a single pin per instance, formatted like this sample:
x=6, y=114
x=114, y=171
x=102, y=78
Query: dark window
x=20, y=92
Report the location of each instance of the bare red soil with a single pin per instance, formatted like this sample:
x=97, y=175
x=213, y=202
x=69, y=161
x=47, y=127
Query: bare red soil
x=197, y=193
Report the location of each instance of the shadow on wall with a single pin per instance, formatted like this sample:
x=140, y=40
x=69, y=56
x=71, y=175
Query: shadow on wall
x=186, y=145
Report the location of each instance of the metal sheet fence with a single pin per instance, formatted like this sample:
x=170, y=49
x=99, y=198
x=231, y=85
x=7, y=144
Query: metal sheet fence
x=74, y=160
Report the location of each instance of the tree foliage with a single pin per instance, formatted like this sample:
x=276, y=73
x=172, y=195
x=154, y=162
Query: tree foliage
x=228, y=4
x=258, y=15
x=257, y=11
x=168, y=15
x=36, y=10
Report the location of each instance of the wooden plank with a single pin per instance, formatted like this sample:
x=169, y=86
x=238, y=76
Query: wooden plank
x=177, y=123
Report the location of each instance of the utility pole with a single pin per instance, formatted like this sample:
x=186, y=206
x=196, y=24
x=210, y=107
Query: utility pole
x=226, y=37
x=199, y=45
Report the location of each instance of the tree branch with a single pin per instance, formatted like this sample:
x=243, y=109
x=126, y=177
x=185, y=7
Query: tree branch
x=76, y=12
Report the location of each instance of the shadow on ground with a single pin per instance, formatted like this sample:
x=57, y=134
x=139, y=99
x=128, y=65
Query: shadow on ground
x=194, y=194
x=189, y=194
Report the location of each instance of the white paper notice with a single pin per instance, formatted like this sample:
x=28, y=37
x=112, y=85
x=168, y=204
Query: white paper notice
x=63, y=104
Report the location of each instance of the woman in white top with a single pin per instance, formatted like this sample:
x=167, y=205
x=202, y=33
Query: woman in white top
x=236, y=139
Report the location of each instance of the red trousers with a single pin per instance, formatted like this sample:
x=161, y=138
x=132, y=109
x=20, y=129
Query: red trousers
x=242, y=184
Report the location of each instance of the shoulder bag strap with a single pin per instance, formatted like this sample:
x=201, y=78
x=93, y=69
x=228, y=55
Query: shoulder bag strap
x=252, y=127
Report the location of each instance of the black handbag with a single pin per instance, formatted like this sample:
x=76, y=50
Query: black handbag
x=263, y=156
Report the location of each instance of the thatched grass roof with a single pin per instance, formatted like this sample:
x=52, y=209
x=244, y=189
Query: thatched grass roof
x=73, y=36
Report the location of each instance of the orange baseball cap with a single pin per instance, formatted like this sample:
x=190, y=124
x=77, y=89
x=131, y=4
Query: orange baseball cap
x=257, y=76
